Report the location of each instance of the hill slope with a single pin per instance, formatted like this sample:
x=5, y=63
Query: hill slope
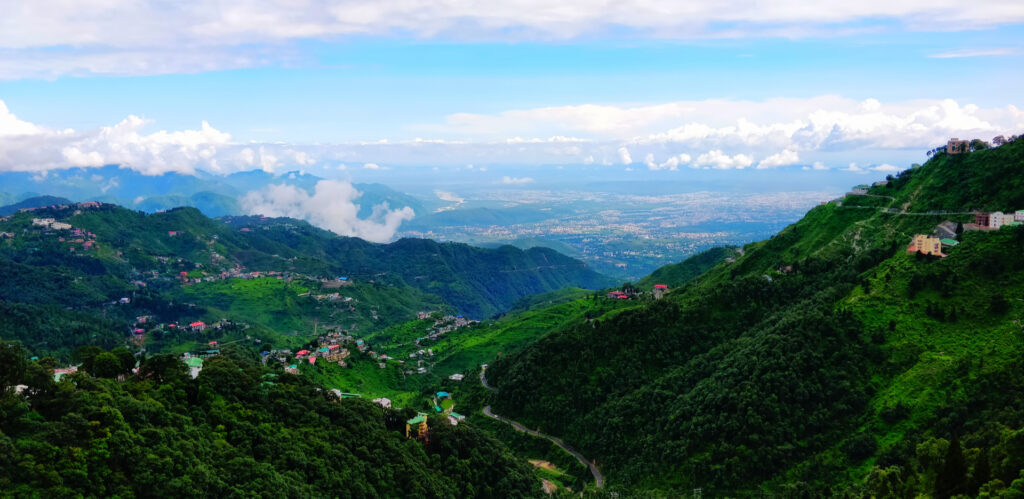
x=33, y=202
x=822, y=360
x=236, y=430
x=277, y=273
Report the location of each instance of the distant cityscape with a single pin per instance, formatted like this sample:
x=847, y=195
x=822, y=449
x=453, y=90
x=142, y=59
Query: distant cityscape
x=628, y=236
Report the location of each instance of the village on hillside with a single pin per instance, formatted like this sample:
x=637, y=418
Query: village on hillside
x=945, y=234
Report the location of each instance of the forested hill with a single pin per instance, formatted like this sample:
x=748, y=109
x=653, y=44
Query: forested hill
x=477, y=282
x=237, y=430
x=824, y=360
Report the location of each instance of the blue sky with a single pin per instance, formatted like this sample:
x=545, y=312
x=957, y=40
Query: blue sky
x=850, y=88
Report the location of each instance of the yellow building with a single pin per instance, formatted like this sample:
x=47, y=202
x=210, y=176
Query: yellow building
x=926, y=244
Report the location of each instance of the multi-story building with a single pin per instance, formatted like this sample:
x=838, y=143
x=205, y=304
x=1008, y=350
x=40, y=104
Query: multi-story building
x=926, y=244
x=957, y=146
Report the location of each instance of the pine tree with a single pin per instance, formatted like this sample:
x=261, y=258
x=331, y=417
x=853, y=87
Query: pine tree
x=982, y=472
x=952, y=478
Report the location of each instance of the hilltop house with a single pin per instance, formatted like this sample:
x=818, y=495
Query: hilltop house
x=457, y=377
x=383, y=402
x=197, y=326
x=957, y=146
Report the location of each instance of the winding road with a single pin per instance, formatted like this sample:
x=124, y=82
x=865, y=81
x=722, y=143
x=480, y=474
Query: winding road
x=598, y=477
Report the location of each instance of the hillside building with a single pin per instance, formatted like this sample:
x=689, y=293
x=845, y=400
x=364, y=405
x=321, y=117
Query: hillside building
x=996, y=219
x=926, y=244
x=957, y=146
x=981, y=219
x=660, y=290
x=1018, y=216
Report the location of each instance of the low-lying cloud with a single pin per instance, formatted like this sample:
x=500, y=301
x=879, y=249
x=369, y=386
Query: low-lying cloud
x=713, y=133
x=332, y=206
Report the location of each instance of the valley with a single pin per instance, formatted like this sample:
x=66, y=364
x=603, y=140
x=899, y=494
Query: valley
x=832, y=355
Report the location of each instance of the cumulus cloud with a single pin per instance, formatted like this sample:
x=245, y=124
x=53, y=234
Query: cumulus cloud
x=515, y=180
x=672, y=163
x=624, y=156
x=818, y=165
x=774, y=130
x=718, y=160
x=784, y=158
x=332, y=206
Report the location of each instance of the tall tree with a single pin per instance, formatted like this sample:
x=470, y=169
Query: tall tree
x=952, y=479
x=12, y=364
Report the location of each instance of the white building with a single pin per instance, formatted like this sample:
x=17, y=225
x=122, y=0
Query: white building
x=1018, y=216
x=457, y=377
x=996, y=219
x=383, y=402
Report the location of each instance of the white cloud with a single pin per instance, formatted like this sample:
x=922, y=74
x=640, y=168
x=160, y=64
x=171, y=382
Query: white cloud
x=332, y=206
x=718, y=160
x=818, y=165
x=885, y=167
x=133, y=36
x=515, y=180
x=773, y=129
x=672, y=163
x=624, y=156
x=783, y=158
x=957, y=54
x=448, y=196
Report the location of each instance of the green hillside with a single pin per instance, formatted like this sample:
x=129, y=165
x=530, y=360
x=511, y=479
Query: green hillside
x=678, y=274
x=64, y=287
x=236, y=430
x=824, y=360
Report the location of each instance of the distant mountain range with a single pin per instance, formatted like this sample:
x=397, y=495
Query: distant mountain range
x=33, y=202
x=214, y=195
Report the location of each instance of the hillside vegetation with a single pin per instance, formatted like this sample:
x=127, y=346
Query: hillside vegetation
x=61, y=288
x=824, y=360
x=235, y=431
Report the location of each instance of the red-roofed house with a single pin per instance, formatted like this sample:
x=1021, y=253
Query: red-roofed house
x=312, y=359
x=302, y=353
x=197, y=326
x=659, y=290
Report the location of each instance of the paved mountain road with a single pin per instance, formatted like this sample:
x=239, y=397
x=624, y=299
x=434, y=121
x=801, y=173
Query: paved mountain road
x=598, y=477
